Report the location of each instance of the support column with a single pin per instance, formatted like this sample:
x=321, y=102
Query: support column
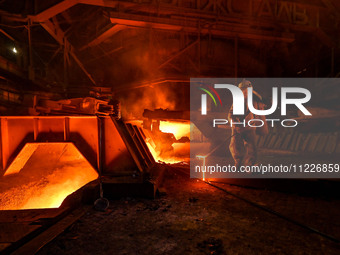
x=30, y=51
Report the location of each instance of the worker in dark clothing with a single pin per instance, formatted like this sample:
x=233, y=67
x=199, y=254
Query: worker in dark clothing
x=243, y=141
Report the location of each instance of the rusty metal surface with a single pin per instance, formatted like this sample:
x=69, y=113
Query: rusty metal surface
x=138, y=149
x=123, y=148
x=27, y=144
x=117, y=159
x=78, y=106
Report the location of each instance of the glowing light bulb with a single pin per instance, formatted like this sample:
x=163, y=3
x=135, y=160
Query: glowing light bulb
x=14, y=50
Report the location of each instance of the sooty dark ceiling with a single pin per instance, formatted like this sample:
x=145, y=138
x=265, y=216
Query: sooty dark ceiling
x=79, y=43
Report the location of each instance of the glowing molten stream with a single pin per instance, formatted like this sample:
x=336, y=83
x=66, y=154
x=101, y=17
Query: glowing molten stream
x=168, y=145
x=179, y=129
x=43, y=175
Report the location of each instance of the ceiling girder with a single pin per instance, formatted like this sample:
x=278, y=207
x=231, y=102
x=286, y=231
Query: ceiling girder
x=54, y=10
x=57, y=33
x=330, y=6
x=221, y=29
x=232, y=18
x=177, y=54
x=108, y=33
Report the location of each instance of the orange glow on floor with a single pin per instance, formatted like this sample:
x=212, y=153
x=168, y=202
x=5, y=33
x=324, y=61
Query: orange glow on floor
x=169, y=159
x=51, y=173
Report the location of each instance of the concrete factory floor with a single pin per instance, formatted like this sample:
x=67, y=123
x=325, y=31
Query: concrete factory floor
x=192, y=217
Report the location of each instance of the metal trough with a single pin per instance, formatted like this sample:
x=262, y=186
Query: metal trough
x=32, y=146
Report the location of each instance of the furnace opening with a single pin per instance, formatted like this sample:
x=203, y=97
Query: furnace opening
x=169, y=141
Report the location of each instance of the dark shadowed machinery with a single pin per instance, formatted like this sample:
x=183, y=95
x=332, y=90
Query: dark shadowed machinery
x=95, y=103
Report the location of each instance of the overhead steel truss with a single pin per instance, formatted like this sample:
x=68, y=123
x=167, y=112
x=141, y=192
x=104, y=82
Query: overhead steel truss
x=274, y=20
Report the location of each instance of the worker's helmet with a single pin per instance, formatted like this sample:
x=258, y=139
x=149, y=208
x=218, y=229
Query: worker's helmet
x=245, y=84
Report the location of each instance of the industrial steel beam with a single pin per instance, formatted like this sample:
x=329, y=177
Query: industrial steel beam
x=57, y=33
x=197, y=7
x=330, y=6
x=225, y=10
x=67, y=4
x=54, y=10
x=107, y=54
x=108, y=33
x=7, y=35
x=178, y=53
x=221, y=29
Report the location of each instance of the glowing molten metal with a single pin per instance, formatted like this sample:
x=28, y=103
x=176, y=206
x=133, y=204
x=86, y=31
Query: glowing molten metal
x=171, y=143
x=43, y=175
